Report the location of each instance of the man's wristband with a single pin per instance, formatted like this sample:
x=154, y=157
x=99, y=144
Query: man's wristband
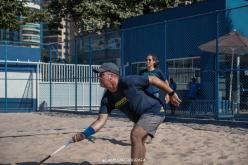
x=171, y=93
x=88, y=132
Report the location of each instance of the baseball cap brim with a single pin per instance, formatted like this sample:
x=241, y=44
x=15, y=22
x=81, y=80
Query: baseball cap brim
x=98, y=70
x=107, y=67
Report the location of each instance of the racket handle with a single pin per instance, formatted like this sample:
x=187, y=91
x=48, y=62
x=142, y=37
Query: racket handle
x=91, y=139
x=43, y=160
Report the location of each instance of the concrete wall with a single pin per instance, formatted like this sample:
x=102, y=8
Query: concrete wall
x=21, y=89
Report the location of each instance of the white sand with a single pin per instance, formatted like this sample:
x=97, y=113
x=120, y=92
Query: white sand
x=26, y=138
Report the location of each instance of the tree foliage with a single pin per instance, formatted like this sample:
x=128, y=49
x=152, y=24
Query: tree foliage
x=86, y=14
x=10, y=11
x=101, y=14
x=14, y=13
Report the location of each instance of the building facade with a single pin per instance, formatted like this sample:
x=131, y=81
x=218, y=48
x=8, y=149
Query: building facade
x=29, y=34
x=57, y=41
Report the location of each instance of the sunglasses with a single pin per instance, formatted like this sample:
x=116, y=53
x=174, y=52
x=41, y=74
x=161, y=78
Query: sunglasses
x=101, y=74
x=149, y=59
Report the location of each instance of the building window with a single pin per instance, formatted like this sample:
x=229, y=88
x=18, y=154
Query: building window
x=182, y=70
x=136, y=67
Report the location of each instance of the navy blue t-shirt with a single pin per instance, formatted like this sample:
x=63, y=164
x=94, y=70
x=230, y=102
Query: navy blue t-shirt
x=156, y=72
x=131, y=98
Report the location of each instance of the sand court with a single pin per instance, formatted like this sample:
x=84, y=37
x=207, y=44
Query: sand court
x=26, y=138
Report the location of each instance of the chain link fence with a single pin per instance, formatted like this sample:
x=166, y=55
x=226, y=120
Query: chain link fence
x=186, y=49
x=194, y=48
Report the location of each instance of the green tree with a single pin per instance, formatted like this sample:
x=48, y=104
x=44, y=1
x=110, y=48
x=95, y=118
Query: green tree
x=14, y=13
x=102, y=14
x=10, y=12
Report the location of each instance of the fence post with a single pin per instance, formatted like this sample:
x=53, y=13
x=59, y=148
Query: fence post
x=238, y=85
x=123, y=71
x=217, y=101
x=76, y=72
x=50, y=77
x=5, y=80
x=165, y=48
x=90, y=66
x=37, y=84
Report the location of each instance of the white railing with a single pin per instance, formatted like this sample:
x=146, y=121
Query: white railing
x=182, y=76
x=62, y=86
x=62, y=73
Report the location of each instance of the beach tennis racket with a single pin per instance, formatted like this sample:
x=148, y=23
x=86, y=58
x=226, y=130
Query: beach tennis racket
x=92, y=139
x=60, y=148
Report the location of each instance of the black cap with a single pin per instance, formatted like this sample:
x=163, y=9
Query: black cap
x=107, y=67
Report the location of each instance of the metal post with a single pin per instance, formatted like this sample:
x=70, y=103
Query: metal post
x=231, y=76
x=90, y=69
x=217, y=97
x=123, y=66
x=165, y=48
x=37, y=85
x=81, y=46
x=50, y=76
x=76, y=73
x=5, y=80
x=238, y=84
x=123, y=71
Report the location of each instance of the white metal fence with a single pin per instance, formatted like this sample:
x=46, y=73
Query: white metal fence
x=68, y=87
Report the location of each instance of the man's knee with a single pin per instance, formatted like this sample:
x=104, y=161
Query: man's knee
x=138, y=133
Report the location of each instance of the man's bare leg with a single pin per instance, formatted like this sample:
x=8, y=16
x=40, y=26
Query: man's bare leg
x=138, y=150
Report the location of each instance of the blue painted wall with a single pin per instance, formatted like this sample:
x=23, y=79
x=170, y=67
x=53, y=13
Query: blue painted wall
x=15, y=53
x=18, y=105
x=177, y=33
x=174, y=13
x=167, y=35
x=139, y=42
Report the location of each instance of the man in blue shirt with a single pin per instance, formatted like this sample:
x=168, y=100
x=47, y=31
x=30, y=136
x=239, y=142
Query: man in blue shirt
x=194, y=89
x=128, y=95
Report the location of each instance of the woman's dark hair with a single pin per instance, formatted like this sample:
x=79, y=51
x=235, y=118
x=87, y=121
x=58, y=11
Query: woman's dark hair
x=154, y=57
